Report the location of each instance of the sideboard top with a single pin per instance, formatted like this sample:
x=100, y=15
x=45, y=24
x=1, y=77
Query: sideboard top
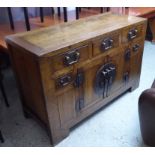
x=45, y=40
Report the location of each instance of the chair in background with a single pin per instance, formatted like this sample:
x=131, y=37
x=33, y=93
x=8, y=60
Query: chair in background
x=41, y=9
x=3, y=64
x=10, y=18
x=26, y=17
x=59, y=12
x=1, y=137
x=79, y=9
x=65, y=14
x=104, y=9
x=27, y=23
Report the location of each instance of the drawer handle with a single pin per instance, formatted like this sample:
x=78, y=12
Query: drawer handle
x=127, y=54
x=107, y=44
x=136, y=47
x=71, y=57
x=132, y=34
x=65, y=80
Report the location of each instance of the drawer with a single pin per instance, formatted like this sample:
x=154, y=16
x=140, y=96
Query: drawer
x=64, y=82
x=132, y=33
x=71, y=57
x=106, y=43
x=132, y=49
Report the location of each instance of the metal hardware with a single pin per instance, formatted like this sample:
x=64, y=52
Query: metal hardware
x=104, y=79
x=71, y=57
x=136, y=47
x=127, y=54
x=126, y=77
x=107, y=44
x=65, y=80
x=79, y=79
x=79, y=104
x=132, y=34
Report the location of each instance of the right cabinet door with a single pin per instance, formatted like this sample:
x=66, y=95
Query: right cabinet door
x=132, y=61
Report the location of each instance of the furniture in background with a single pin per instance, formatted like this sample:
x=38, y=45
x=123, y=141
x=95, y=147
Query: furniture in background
x=66, y=73
x=3, y=64
x=146, y=12
x=26, y=17
x=65, y=14
x=146, y=107
x=27, y=23
x=1, y=137
x=10, y=18
x=41, y=9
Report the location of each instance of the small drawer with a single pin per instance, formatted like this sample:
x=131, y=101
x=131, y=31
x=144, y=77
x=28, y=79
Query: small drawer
x=132, y=33
x=71, y=57
x=132, y=49
x=137, y=47
x=105, y=43
x=64, y=80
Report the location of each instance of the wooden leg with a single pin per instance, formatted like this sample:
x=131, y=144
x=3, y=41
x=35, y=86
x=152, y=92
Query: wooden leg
x=3, y=91
x=41, y=15
x=59, y=12
x=152, y=27
x=65, y=14
x=134, y=86
x=26, y=114
x=1, y=137
x=52, y=10
x=108, y=9
x=10, y=18
x=101, y=11
x=79, y=9
x=26, y=19
x=77, y=13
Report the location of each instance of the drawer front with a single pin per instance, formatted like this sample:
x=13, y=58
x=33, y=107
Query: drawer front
x=106, y=43
x=132, y=49
x=71, y=57
x=132, y=33
x=63, y=81
x=132, y=60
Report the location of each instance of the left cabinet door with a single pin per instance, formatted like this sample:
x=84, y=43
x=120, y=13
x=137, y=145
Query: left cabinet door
x=66, y=98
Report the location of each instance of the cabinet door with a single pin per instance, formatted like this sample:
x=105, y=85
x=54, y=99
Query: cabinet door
x=117, y=83
x=132, y=62
x=66, y=98
x=94, y=87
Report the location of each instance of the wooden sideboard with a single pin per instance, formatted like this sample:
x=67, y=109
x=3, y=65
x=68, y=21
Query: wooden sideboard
x=68, y=71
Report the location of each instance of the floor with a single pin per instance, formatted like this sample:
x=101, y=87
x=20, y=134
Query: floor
x=115, y=125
